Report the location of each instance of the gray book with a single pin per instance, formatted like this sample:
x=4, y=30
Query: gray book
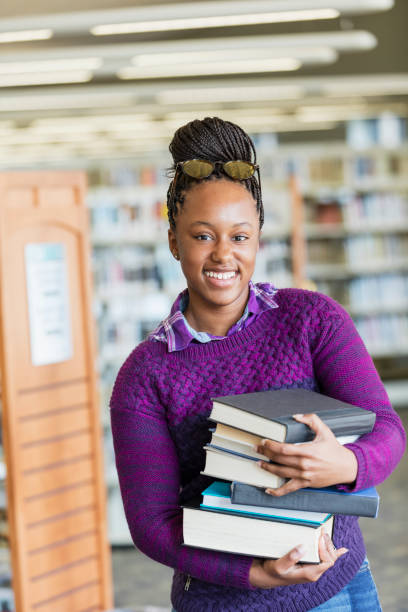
x=328, y=499
x=269, y=414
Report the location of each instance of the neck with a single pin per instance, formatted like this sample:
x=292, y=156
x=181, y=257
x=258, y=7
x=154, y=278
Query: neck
x=213, y=319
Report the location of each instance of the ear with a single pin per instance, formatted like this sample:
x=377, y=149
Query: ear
x=172, y=240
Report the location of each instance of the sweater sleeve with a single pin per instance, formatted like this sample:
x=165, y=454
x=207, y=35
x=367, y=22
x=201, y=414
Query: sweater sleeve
x=344, y=370
x=148, y=470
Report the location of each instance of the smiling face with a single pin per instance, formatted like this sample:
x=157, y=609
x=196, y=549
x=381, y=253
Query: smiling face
x=217, y=238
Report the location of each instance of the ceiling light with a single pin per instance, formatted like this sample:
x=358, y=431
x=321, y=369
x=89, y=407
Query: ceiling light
x=83, y=63
x=77, y=23
x=372, y=85
x=47, y=78
x=244, y=52
x=213, y=21
x=211, y=68
x=24, y=35
x=85, y=123
x=229, y=94
x=47, y=101
x=311, y=46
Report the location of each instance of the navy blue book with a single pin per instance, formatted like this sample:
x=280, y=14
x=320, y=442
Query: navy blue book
x=328, y=499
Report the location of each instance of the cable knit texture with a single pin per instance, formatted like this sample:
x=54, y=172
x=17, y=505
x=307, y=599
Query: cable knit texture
x=159, y=410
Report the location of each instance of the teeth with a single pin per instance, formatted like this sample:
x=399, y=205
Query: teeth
x=220, y=275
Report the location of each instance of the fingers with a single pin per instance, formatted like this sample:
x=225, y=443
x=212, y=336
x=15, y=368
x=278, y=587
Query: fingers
x=282, y=470
x=289, y=570
x=288, y=487
x=288, y=561
x=273, y=449
x=314, y=422
x=328, y=552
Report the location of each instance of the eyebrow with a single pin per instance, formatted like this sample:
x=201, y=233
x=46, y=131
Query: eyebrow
x=239, y=224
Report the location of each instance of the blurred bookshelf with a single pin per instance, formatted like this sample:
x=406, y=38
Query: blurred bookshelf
x=355, y=234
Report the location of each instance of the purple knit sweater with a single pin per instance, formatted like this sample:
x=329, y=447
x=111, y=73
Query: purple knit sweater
x=159, y=411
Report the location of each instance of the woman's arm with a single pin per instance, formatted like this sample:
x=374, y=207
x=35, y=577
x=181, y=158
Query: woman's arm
x=148, y=470
x=344, y=370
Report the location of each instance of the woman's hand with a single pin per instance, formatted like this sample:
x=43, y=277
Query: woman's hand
x=319, y=463
x=268, y=573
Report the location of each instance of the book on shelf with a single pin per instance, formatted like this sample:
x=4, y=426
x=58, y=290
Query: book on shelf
x=231, y=439
x=328, y=499
x=231, y=466
x=246, y=534
x=218, y=497
x=269, y=414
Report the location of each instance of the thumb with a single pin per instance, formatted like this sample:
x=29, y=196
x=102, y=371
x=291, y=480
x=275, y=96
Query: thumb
x=288, y=561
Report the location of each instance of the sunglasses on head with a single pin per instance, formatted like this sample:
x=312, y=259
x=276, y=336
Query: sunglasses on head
x=202, y=168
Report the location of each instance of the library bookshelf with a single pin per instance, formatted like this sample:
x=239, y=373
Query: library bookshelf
x=51, y=433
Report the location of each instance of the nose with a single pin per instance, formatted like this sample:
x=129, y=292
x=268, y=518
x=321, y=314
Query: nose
x=222, y=251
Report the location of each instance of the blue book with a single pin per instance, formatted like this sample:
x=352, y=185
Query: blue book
x=328, y=499
x=217, y=497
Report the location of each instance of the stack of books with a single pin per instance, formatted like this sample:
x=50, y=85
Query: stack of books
x=238, y=516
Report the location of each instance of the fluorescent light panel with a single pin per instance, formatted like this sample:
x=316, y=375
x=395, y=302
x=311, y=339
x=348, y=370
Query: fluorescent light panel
x=286, y=89
x=86, y=122
x=51, y=65
x=245, y=52
x=47, y=78
x=79, y=22
x=211, y=68
x=25, y=35
x=213, y=21
x=229, y=94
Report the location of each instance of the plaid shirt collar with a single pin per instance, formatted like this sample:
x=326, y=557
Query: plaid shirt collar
x=176, y=332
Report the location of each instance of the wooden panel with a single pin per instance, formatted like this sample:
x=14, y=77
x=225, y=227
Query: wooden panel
x=51, y=421
x=40, y=508
x=52, y=533
x=55, y=557
x=84, y=598
x=69, y=393
x=57, y=197
x=46, y=425
x=55, y=584
x=57, y=449
x=20, y=198
x=60, y=474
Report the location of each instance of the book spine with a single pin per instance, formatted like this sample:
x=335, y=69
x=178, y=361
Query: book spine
x=307, y=500
x=357, y=425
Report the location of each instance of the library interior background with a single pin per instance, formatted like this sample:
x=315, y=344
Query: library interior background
x=97, y=92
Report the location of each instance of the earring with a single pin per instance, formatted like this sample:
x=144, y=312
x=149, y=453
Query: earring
x=176, y=256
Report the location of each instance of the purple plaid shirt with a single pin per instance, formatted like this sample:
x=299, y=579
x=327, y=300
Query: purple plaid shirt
x=178, y=334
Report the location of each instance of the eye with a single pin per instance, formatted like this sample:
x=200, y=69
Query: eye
x=240, y=238
x=203, y=237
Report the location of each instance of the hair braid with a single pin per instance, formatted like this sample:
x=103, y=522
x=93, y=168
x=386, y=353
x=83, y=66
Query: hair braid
x=214, y=139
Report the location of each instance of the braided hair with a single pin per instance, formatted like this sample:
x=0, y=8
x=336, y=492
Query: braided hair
x=213, y=139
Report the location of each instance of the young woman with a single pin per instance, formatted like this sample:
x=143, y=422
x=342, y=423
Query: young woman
x=225, y=335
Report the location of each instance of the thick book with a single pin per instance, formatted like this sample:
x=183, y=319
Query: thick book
x=269, y=414
x=249, y=535
x=328, y=499
x=230, y=466
x=231, y=439
x=218, y=497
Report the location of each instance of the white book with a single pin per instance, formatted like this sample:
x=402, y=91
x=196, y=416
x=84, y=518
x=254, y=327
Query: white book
x=247, y=535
